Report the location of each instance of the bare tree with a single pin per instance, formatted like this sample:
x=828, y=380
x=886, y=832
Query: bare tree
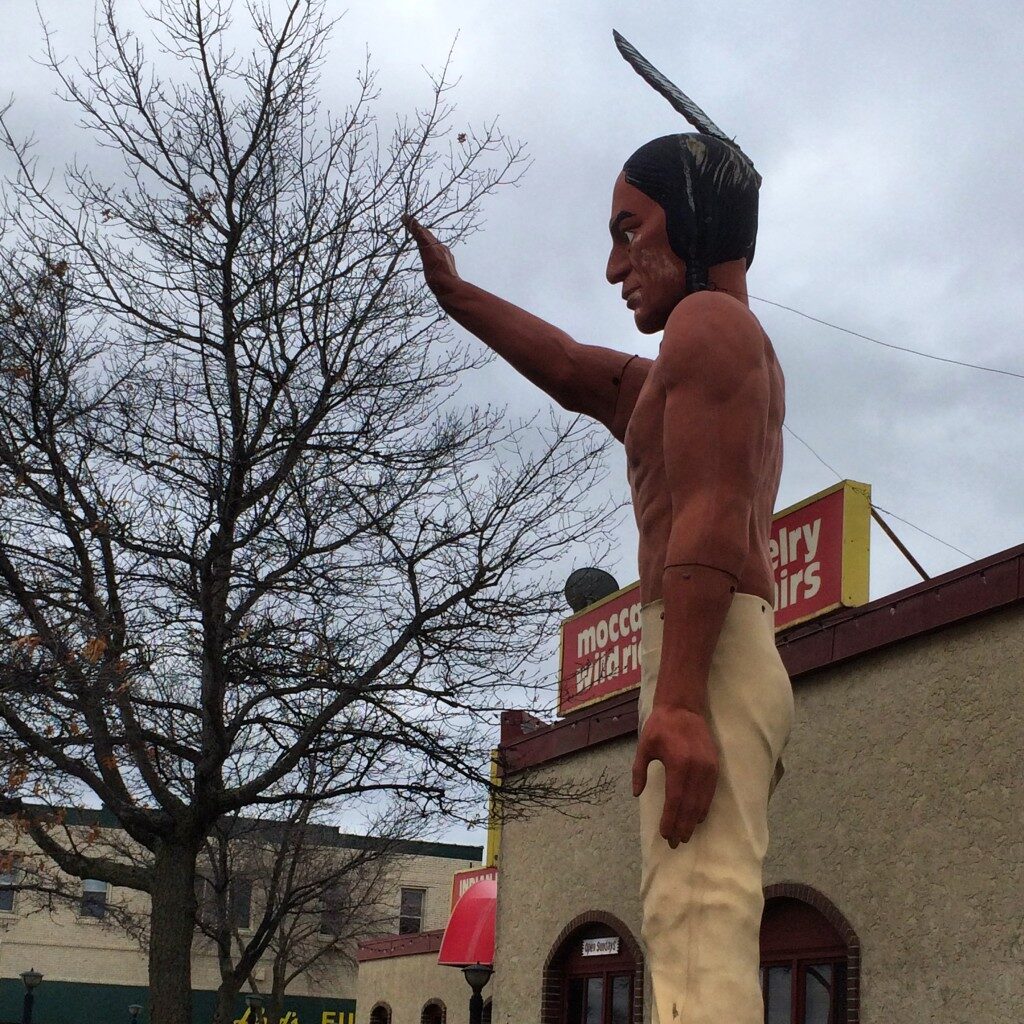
x=245, y=521
x=293, y=894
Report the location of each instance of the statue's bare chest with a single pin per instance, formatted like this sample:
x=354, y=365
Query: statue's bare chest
x=644, y=439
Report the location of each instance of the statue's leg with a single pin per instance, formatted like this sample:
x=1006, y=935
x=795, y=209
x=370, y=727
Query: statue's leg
x=702, y=902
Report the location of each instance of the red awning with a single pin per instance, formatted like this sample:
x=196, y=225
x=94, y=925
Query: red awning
x=469, y=937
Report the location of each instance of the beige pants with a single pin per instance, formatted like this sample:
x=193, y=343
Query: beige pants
x=702, y=902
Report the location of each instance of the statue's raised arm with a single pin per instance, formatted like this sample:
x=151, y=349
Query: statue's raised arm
x=597, y=382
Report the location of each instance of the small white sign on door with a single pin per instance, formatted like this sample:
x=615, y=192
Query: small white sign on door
x=600, y=947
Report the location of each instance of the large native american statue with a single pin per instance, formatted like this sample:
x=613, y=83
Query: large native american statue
x=702, y=426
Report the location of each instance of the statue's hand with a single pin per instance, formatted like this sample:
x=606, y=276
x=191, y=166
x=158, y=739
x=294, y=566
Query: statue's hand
x=681, y=740
x=438, y=263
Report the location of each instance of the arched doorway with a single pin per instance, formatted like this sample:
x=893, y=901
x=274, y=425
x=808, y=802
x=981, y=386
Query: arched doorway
x=594, y=974
x=805, y=959
x=434, y=1012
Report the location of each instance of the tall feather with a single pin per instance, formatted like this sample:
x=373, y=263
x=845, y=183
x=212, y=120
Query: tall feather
x=679, y=100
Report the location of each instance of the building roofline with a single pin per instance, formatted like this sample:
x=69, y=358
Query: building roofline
x=414, y=847
x=327, y=835
x=954, y=597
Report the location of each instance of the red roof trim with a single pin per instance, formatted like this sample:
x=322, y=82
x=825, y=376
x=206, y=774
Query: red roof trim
x=957, y=596
x=387, y=946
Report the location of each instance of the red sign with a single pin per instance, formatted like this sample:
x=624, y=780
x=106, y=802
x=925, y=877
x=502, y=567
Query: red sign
x=819, y=552
x=600, y=650
x=465, y=880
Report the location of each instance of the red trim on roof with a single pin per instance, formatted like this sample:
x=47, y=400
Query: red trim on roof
x=385, y=946
x=984, y=586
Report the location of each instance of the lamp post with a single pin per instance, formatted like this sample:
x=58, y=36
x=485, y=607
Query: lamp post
x=133, y=1013
x=477, y=975
x=31, y=979
x=255, y=1004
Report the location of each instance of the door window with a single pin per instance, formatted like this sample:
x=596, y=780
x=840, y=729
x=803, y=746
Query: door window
x=804, y=992
x=600, y=999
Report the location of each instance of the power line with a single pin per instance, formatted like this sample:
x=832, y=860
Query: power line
x=879, y=508
x=889, y=344
x=898, y=348
x=838, y=475
x=925, y=532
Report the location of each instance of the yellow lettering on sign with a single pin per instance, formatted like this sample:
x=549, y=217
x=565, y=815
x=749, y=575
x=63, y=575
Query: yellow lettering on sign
x=328, y=1017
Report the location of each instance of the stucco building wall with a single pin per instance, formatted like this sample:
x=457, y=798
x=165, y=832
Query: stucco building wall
x=902, y=804
x=555, y=868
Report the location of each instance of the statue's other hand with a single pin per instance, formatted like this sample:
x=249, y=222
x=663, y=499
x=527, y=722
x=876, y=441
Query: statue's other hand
x=438, y=263
x=682, y=742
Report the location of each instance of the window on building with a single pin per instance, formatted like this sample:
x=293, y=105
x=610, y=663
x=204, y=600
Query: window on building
x=410, y=913
x=605, y=998
x=434, y=1012
x=485, y=1017
x=380, y=1014
x=333, y=914
x=240, y=905
x=8, y=884
x=803, y=966
x=94, y=899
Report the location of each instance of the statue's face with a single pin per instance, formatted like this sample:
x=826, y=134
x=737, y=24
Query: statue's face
x=652, y=276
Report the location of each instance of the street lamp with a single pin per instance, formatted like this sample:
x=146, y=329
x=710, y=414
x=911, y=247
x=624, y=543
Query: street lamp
x=133, y=1013
x=31, y=979
x=255, y=1004
x=477, y=975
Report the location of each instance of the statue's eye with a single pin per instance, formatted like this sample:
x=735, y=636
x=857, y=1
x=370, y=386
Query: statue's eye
x=629, y=236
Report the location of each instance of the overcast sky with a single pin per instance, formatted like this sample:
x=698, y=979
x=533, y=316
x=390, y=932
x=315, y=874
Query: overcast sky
x=889, y=139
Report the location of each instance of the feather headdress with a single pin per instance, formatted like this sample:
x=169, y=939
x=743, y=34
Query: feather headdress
x=676, y=97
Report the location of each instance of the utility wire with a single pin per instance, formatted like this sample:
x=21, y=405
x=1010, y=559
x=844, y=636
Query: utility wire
x=889, y=344
x=925, y=532
x=828, y=466
x=898, y=348
x=879, y=508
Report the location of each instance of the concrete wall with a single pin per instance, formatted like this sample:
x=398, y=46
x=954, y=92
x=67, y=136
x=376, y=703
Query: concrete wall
x=407, y=983
x=903, y=804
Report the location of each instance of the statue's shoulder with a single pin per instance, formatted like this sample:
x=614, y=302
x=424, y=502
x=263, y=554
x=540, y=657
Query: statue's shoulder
x=710, y=336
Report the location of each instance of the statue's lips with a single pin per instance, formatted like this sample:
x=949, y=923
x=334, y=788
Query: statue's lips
x=632, y=298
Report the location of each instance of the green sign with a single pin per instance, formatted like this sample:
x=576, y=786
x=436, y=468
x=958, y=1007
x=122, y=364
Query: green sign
x=69, y=1002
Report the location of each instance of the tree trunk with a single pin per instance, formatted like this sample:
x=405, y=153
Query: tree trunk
x=171, y=930
x=224, y=1010
x=275, y=1007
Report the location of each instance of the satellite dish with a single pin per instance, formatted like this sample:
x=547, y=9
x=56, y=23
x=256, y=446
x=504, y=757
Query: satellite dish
x=584, y=587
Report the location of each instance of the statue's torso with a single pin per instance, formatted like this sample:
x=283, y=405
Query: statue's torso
x=645, y=438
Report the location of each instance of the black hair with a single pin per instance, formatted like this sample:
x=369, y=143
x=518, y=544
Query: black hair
x=708, y=190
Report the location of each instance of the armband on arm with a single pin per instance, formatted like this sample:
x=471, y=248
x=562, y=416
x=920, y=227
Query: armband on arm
x=683, y=566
